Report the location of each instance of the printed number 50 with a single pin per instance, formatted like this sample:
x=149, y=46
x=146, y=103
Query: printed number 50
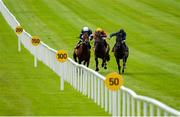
x=113, y=81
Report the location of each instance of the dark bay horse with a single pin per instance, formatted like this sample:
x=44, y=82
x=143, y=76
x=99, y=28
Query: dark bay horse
x=121, y=52
x=83, y=51
x=100, y=51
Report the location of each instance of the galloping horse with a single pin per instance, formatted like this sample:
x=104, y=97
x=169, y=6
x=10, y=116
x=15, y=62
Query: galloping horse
x=121, y=52
x=101, y=51
x=83, y=51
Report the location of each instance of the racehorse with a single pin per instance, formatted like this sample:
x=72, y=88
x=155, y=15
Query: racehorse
x=82, y=52
x=121, y=52
x=100, y=51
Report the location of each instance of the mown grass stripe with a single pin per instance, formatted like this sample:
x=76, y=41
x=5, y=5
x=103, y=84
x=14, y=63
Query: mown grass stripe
x=153, y=17
x=165, y=6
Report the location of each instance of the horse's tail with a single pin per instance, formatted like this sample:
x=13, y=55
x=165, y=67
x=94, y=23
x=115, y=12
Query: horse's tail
x=107, y=53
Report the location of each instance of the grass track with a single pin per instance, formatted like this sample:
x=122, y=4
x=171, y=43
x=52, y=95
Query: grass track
x=152, y=28
x=25, y=90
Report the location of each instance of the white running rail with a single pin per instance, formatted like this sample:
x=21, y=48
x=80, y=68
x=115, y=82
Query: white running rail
x=124, y=102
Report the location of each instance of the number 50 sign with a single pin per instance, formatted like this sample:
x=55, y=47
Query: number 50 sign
x=113, y=81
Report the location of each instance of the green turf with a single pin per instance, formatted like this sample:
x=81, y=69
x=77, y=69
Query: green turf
x=152, y=27
x=25, y=90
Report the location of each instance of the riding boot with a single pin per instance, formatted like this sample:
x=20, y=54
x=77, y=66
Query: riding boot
x=94, y=43
x=124, y=46
x=89, y=45
x=78, y=44
x=105, y=43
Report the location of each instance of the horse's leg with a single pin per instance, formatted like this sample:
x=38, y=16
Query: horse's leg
x=84, y=63
x=96, y=59
x=88, y=58
x=124, y=64
x=74, y=56
x=79, y=61
x=87, y=63
x=118, y=63
x=104, y=63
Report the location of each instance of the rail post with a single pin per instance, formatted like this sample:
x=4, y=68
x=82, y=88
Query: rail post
x=62, y=78
x=19, y=43
x=35, y=56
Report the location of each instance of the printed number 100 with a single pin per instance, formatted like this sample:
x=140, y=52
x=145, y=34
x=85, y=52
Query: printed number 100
x=19, y=30
x=35, y=40
x=62, y=56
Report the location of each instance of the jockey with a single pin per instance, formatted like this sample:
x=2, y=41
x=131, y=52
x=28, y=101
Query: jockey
x=120, y=35
x=103, y=35
x=85, y=29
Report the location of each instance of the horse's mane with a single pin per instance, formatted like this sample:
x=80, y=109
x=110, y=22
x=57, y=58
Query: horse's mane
x=85, y=37
x=98, y=37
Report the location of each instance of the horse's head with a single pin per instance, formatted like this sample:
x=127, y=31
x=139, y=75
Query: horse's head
x=86, y=37
x=98, y=36
x=85, y=43
x=120, y=46
x=119, y=40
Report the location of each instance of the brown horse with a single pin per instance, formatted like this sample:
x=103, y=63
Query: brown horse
x=82, y=52
x=121, y=52
x=101, y=51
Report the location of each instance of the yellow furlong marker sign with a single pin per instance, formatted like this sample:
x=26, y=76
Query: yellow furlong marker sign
x=114, y=81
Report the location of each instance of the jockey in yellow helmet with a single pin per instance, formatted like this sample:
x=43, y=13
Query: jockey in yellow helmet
x=102, y=34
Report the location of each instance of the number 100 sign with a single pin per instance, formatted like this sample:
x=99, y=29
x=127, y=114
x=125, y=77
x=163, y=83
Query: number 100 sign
x=19, y=30
x=35, y=40
x=113, y=81
x=61, y=56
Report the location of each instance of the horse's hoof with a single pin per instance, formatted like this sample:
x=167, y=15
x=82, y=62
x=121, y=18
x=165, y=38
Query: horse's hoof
x=105, y=67
x=97, y=69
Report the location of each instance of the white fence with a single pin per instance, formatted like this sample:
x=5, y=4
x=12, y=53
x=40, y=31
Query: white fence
x=124, y=102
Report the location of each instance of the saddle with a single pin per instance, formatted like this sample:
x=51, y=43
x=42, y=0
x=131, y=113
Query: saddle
x=86, y=43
